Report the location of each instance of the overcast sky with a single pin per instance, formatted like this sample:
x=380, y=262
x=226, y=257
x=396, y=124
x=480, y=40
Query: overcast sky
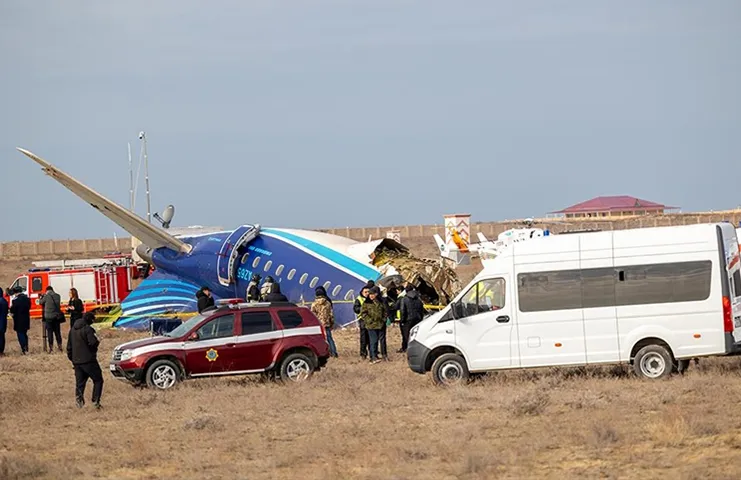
x=359, y=113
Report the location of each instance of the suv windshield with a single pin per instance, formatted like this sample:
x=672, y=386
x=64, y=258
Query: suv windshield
x=186, y=326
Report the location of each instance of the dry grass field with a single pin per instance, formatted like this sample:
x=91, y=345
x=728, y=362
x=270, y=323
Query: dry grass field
x=355, y=420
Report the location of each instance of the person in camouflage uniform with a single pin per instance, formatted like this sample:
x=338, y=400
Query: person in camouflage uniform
x=374, y=316
x=322, y=309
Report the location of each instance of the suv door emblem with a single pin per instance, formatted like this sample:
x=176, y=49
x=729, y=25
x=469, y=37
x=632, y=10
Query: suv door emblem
x=212, y=355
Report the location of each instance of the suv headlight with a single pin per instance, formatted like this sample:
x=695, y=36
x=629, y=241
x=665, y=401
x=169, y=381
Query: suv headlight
x=413, y=332
x=120, y=356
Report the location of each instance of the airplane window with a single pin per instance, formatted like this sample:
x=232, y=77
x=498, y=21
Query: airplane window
x=314, y=281
x=350, y=295
x=279, y=270
x=303, y=278
x=337, y=290
x=326, y=286
x=268, y=265
x=245, y=257
x=291, y=274
x=256, y=262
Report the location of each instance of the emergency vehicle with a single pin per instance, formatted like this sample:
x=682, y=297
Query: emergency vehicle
x=279, y=340
x=101, y=283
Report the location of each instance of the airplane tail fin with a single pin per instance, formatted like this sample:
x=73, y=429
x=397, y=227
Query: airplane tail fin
x=458, y=253
x=147, y=233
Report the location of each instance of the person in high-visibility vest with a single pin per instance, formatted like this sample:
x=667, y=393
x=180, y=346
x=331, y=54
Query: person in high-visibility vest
x=357, y=307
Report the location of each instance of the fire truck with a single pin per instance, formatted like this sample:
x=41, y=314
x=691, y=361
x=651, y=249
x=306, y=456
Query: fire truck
x=101, y=283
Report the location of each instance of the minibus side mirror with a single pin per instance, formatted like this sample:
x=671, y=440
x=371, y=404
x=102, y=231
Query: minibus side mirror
x=456, y=310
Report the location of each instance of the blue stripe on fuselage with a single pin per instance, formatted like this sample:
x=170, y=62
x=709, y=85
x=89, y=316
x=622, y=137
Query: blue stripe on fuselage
x=358, y=268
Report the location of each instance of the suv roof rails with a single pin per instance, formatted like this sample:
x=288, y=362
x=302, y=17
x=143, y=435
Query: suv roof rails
x=241, y=303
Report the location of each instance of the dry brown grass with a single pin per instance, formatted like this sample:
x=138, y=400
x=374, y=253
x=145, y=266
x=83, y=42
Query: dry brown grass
x=354, y=420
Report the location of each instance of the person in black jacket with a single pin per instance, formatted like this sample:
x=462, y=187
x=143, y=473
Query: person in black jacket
x=275, y=295
x=82, y=350
x=75, y=306
x=205, y=300
x=253, y=289
x=3, y=321
x=412, y=312
x=20, y=308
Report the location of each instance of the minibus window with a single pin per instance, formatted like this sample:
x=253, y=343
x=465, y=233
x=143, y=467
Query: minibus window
x=485, y=296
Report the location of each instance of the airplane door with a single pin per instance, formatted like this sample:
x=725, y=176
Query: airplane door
x=226, y=262
x=484, y=327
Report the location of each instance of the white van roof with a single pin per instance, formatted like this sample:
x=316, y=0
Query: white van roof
x=574, y=244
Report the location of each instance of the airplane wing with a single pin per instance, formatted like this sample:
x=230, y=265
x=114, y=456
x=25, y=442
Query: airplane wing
x=150, y=235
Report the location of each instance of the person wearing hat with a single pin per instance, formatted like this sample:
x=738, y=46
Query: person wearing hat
x=267, y=288
x=82, y=351
x=205, y=300
x=322, y=309
x=374, y=315
x=20, y=308
x=253, y=289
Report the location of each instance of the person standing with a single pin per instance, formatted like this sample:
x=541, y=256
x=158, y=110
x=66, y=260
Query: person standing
x=322, y=309
x=402, y=294
x=275, y=295
x=267, y=288
x=412, y=312
x=52, y=317
x=82, y=351
x=357, y=308
x=75, y=307
x=253, y=289
x=205, y=300
x=20, y=308
x=3, y=321
x=374, y=315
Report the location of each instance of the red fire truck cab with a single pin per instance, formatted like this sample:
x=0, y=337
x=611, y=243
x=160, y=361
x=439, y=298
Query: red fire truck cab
x=101, y=282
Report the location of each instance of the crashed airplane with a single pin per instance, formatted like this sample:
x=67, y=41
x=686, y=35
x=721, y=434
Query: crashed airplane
x=225, y=261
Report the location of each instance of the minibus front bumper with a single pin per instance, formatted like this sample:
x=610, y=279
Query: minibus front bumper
x=417, y=356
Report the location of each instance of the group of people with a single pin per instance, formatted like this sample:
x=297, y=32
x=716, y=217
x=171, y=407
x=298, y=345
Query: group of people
x=375, y=313
x=82, y=342
x=269, y=292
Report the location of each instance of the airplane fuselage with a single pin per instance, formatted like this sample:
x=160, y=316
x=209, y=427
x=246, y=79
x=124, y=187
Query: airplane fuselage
x=291, y=257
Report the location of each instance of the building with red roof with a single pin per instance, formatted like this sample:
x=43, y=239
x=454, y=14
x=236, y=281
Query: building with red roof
x=614, y=206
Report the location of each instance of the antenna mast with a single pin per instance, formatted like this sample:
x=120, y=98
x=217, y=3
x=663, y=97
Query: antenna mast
x=131, y=180
x=143, y=138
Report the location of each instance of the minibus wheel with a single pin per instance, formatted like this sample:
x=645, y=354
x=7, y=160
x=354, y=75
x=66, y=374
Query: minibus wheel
x=653, y=362
x=449, y=369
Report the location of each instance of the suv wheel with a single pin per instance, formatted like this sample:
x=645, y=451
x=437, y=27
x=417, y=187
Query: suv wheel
x=653, y=362
x=449, y=369
x=296, y=367
x=163, y=375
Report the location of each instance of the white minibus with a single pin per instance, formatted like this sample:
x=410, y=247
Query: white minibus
x=653, y=297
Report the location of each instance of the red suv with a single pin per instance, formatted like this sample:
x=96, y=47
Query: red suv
x=236, y=338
